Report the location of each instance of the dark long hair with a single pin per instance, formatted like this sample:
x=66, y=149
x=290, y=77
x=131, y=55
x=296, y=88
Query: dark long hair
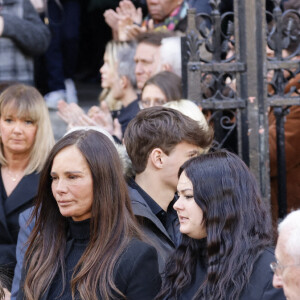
x=112, y=224
x=238, y=229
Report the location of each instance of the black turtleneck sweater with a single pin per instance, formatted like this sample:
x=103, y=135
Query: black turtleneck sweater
x=137, y=274
x=79, y=235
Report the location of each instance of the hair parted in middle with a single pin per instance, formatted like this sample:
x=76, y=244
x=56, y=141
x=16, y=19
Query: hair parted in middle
x=27, y=102
x=168, y=82
x=237, y=223
x=164, y=128
x=112, y=223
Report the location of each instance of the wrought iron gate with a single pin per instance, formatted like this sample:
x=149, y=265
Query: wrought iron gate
x=238, y=90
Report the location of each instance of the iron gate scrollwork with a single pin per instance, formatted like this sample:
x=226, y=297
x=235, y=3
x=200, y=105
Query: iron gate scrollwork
x=226, y=70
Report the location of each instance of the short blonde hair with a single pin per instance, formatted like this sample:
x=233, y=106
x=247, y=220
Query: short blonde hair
x=190, y=109
x=27, y=102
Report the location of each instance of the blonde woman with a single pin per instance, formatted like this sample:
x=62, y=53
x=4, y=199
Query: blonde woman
x=26, y=139
x=119, y=105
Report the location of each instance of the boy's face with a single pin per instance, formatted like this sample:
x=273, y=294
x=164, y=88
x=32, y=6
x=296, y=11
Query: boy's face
x=172, y=162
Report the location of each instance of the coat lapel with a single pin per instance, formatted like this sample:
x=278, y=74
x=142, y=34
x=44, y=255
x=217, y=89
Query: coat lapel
x=24, y=192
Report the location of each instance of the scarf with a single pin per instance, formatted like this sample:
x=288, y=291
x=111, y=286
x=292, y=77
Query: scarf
x=170, y=23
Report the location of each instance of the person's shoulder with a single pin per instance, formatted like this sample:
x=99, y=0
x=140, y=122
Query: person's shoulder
x=136, y=254
x=266, y=257
x=260, y=283
x=137, y=247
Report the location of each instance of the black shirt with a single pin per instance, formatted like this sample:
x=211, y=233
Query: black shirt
x=126, y=114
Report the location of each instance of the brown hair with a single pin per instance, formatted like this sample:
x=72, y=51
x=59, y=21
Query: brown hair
x=163, y=128
x=168, y=82
x=111, y=227
x=153, y=38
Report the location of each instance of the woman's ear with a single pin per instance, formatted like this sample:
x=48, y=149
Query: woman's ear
x=124, y=82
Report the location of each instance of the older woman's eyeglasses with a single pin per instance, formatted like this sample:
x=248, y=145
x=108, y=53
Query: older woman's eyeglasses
x=277, y=268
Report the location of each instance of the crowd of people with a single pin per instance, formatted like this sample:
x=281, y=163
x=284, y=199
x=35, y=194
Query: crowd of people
x=132, y=202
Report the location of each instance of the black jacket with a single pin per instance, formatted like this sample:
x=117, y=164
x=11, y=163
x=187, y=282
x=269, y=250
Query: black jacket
x=136, y=273
x=20, y=199
x=259, y=287
x=153, y=228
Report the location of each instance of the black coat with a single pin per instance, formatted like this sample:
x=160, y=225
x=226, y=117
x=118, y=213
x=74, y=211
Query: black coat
x=153, y=228
x=20, y=199
x=259, y=287
x=136, y=273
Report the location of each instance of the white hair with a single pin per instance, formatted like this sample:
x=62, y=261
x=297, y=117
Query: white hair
x=290, y=228
x=170, y=53
x=190, y=109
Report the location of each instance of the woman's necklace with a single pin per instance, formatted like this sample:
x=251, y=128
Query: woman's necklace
x=12, y=177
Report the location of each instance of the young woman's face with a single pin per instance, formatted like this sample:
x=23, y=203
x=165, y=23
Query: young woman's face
x=152, y=96
x=17, y=134
x=190, y=215
x=72, y=184
x=108, y=73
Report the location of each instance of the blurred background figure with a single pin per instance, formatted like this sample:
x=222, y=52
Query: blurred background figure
x=147, y=56
x=61, y=56
x=119, y=103
x=22, y=36
x=94, y=249
x=127, y=21
x=161, y=88
x=286, y=268
x=190, y=109
x=26, y=139
x=222, y=218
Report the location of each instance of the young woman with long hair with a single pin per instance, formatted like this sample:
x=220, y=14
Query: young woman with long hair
x=226, y=245
x=85, y=243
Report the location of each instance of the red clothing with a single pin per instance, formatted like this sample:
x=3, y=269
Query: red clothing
x=292, y=151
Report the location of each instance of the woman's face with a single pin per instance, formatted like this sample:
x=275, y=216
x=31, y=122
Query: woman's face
x=152, y=96
x=108, y=74
x=17, y=134
x=190, y=215
x=72, y=184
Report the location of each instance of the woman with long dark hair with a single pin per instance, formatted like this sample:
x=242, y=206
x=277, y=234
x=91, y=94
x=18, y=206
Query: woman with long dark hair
x=226, y=246
x=85, y=243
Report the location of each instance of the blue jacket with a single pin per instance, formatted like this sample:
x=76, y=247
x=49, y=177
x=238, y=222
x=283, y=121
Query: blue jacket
x=25, y=230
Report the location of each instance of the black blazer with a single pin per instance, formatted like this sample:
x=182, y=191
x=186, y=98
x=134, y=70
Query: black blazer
x=259, y=287
x=20, y=199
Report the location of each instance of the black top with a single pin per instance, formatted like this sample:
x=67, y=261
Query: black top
x=136, y=273
x=76, y=244
x=10, y=207
x=167, y=218
x=126, y=114
x=259, y=286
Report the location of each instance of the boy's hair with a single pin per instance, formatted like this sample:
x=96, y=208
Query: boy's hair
x=164, y=128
